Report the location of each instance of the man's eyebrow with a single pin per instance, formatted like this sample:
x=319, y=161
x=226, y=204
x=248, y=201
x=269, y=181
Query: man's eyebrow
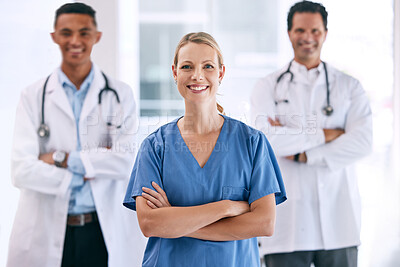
x=85, y=29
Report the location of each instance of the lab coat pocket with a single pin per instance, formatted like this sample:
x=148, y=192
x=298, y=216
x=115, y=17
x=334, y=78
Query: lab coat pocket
x=235, y=193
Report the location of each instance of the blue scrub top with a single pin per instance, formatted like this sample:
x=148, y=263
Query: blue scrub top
x=242, y=166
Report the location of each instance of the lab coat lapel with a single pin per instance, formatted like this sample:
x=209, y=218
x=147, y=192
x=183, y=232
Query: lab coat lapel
x=321, y=82
x=321, y=78
x=91, y=98
x=56, y=94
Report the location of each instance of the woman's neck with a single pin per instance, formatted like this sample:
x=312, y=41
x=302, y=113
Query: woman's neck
x=200, y=119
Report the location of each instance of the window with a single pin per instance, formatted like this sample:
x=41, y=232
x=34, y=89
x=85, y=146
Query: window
x=246, y=33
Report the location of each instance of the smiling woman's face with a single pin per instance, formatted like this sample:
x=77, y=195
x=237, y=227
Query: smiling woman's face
x=198, y=73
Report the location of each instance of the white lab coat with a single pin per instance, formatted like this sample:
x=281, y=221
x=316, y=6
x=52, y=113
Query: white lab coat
x=323, y=208
x=37, y=237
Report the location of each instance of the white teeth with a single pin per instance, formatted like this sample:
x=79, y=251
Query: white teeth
x=75, y=50
x=197, y=88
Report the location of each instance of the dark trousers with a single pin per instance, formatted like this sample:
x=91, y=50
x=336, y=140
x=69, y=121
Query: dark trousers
x=84, y=246
x=345, y=257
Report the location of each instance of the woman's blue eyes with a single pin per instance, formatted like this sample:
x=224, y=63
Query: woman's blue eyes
x=208, y=66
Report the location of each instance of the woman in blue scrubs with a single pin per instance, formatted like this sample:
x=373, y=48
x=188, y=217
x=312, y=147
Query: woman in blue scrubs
x=204, y=186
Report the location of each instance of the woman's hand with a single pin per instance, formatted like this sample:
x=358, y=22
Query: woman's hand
x=158, y=199
x=155, y=199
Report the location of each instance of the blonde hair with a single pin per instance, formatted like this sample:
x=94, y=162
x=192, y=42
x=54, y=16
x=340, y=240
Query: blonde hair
x=201, y=38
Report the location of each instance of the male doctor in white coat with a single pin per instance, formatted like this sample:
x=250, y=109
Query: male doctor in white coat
x=71, y=160
x=318, y=121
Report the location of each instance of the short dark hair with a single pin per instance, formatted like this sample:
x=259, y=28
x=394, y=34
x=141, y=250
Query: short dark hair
x=307, y=7
x=76, y=8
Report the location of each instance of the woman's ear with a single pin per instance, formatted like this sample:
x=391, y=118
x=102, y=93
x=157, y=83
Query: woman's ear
x=174, y=73
x=221, y=73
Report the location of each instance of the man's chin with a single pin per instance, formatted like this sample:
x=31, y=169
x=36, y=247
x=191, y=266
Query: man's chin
x=308, y=51
x=306, y=55
x=76, y=61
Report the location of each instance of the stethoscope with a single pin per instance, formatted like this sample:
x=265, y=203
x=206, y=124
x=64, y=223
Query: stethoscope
x=44, y=130
x=327, y=110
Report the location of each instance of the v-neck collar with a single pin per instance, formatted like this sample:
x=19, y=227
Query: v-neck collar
x=220, y=136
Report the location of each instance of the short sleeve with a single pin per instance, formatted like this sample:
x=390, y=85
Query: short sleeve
x=147, y=169
x=266, y=176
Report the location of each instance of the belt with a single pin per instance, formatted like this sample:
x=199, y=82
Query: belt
x=82, y=219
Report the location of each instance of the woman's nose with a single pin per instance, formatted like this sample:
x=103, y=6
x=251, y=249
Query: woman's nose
x=198, y=74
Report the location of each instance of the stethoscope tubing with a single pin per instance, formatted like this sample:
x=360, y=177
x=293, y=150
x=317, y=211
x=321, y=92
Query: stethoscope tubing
x=327, y=110
x=44, y=130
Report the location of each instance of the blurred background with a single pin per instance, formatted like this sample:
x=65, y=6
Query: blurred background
x=139, y=39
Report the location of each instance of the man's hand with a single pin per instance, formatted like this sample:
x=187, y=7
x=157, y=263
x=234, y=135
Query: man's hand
x=332, y=134
x=48, y=158
x=302, y=157
x=275, y=122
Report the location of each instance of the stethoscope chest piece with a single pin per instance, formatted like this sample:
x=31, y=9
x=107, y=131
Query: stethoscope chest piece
x=328, y=110
x=43, y=131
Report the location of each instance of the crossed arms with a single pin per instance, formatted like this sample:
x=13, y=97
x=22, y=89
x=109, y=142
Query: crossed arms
x=331, y=148
x=329, y=134
x=223, y=220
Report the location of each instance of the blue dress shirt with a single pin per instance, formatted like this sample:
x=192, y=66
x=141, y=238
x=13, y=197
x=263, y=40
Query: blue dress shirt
x=81, y=200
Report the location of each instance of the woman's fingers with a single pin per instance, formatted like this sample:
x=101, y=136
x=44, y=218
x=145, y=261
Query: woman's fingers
x=161, y=191
x=152, y=193
x=152, y=199
x=151, y=205
x=158, y=198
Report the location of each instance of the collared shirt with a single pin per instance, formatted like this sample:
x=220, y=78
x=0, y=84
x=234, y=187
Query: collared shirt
x=310, y=75
x=81, y=200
